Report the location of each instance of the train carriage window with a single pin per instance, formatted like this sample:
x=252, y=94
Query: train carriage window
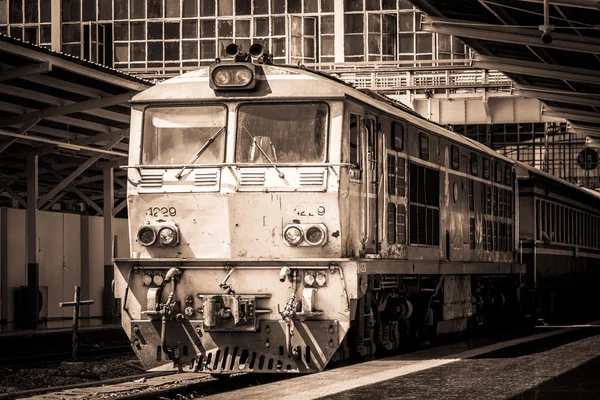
x=507, y=175
x=391, y=223
x=401, y=224
x=486, y=168
x=424, y=207
x=282, y=132
x=424, y=146
x=510, y=238
x=500, y=202
x=490, y=236
x=355, y=140
x=391, y=159
x=488, y=200
x=397, y=136
x=496, y=236
x=471, y=195
x=173, y=135
x=484, y=235
x=510, y=201
x=472, y=233
x=401, y=177
x=455, y=157
x=499, y=172
x=483, y=197
x=474, y=164
x=495, y=209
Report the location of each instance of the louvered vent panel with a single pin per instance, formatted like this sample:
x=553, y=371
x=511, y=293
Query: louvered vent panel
x=151, y=179
x=252, y=178
x=312, y=178
x=205, y=178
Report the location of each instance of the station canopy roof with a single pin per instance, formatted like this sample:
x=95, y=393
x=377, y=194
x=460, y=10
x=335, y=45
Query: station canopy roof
x=562, y=69
x=71, y=113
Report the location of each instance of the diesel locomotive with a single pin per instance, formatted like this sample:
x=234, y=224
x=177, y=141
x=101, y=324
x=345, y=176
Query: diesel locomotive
x=281, y=219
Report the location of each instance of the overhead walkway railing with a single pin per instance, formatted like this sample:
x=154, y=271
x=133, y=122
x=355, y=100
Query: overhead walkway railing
x=389, y=80
x=388, y=76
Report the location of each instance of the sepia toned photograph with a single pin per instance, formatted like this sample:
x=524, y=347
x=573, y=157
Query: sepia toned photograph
x=299, y=199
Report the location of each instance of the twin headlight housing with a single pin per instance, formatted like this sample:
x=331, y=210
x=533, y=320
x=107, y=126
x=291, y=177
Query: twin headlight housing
x=160, y=235
x=232, y=76
x=305, y=234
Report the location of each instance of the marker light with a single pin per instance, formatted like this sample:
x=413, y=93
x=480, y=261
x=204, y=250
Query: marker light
x=309, y=278
x=321, y=278
x=146, y=279
x=167, y=236
x=293, y=236
x=146, y=235
x=158, y=279
x=232, y=76
x=315, y=235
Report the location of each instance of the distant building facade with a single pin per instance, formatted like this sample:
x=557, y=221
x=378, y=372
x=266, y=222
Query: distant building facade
x=141, y=34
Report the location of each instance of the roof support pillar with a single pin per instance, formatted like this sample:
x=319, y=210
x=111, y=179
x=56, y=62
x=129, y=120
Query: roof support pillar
x=55, y=19
x=107, y=297
x=4, y=264
x=338, y=29
x=33, y=266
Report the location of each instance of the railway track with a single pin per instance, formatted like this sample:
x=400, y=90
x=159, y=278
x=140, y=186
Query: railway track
x=44, y=359
x=193, y=385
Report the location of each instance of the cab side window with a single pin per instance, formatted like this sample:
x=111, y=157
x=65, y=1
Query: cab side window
x=397, y=136
x=424, y=146
x=355, y=140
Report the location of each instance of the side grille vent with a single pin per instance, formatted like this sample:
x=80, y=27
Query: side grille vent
x=205, y=178
x=151, y=179
x=252, y=178
x=312, y=178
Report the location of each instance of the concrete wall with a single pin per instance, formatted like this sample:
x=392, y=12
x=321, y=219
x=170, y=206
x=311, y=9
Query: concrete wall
x=62, y=258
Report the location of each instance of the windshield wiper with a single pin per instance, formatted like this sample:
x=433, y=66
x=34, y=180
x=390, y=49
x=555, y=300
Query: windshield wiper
x=281, y=175
x=199, y=153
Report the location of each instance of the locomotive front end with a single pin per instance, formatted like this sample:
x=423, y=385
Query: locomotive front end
x=234, y=214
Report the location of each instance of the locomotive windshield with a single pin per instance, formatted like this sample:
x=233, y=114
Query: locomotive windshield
x=285, y=133
x=173, y=135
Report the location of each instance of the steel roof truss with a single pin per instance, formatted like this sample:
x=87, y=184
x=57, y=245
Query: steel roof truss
x=13, y=194
x=88, y=163
x=525, y=37
x=551, y=71
x=7, y=74
x=67, y=109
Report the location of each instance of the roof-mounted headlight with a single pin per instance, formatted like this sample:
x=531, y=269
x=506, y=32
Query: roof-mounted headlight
x=232, y=76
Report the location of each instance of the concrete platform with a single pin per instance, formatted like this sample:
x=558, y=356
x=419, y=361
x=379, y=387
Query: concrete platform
x=556, y=364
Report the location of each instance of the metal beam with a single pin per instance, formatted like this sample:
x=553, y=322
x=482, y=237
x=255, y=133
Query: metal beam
x=107, y=296
x=102, y=74
x=573, y=115
x=7, y=144
x=120, y=206
x=85, y=198
x=100, y=137
x=67, y=109
x=88, y=163
x=33, y=267
x=54, y=200
x=559, y=72
x=498, y=33
x=19, y=72
x=58, y=102
x=71, y=187
x=586, y=4
x=63, y=144
x=573, y=98
x=13, y=194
